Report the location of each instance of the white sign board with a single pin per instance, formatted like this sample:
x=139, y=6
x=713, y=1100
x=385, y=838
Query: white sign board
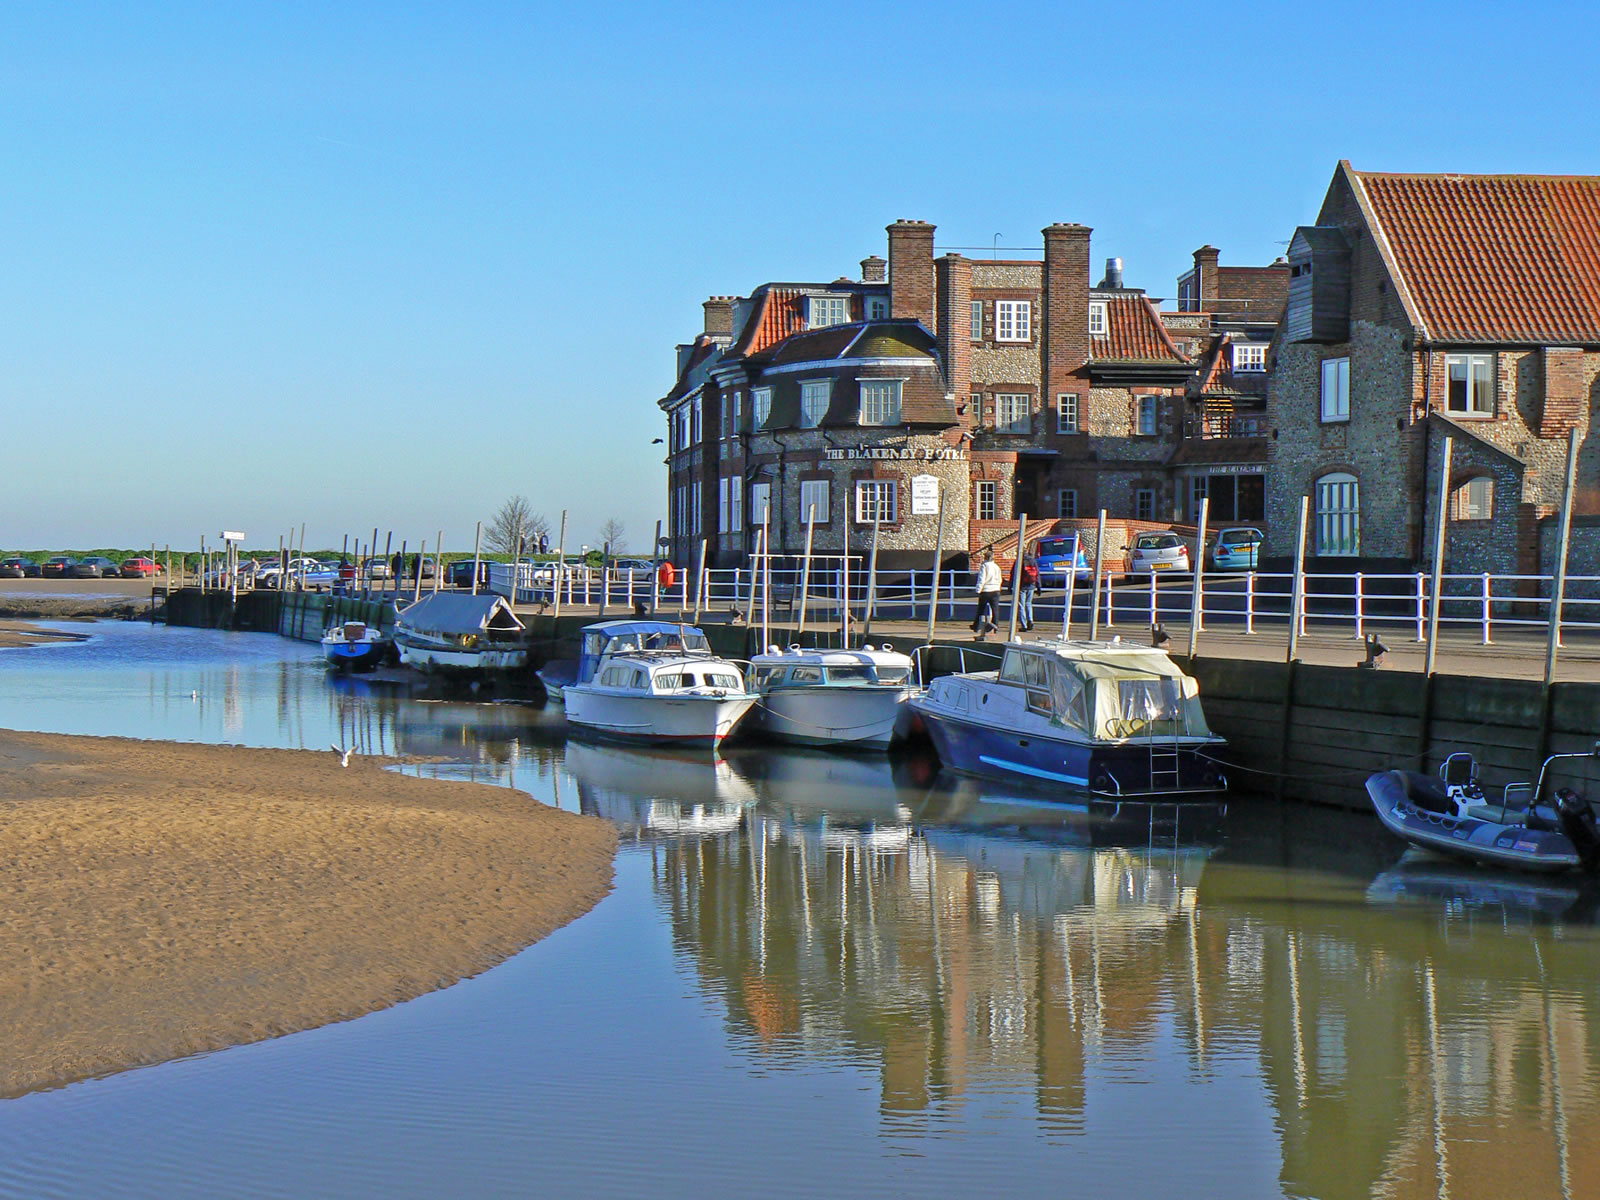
x=229, y=535
x=924, y=495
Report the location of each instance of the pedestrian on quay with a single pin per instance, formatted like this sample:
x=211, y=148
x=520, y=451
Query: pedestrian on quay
x=1027, y=585
x=983, y=621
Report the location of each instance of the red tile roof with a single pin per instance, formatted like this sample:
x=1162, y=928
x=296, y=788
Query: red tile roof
x=777, y=313
x=1134, y=331
x=1494, y=258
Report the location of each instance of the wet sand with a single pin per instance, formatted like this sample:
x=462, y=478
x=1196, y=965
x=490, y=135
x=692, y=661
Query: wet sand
x=162, y=899
x=16, y=634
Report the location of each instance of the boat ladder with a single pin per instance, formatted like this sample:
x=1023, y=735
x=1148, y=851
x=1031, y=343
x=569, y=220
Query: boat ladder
x=1164, y=767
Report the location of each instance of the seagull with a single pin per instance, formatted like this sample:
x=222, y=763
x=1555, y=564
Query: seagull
x=344, y=755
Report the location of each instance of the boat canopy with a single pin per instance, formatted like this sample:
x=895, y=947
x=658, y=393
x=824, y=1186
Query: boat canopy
x=618, y=637
x=1110, y=694
x=454, y=615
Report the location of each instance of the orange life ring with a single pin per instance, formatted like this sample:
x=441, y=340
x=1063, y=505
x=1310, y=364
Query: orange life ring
x=666, y=575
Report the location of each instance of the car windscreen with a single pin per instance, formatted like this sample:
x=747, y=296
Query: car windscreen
x=1239, y=537
x=1052, y=547
x=1158, y=541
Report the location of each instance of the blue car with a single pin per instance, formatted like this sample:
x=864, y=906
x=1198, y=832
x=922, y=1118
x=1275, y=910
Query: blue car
x=1057, y=555
x=1237, y=549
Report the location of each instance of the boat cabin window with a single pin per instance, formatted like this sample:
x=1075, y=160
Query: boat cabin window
x=621, y=677
x=1144, y=703
x=764, y=677
x=1011, y=666
x=730, y=682
x=1069, y=696
x=806, y=675
x=894, y=676
x=852, y=674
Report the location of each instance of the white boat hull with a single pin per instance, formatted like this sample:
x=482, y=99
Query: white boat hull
x=681, y=720
x=859, y=717
x=439, y=658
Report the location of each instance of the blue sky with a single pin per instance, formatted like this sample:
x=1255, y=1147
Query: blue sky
x=357, y=265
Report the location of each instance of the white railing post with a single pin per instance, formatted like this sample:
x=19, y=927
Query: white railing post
x=950, y=594
x=1422, y=634
x=1361, y=628
x=1153, y=611
x=630, y=590
x=1250, y=602
x=1109, y=622
x=587, y=573
x=1486, y=587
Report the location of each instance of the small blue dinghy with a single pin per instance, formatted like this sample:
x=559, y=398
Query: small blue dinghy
x=1451, y=815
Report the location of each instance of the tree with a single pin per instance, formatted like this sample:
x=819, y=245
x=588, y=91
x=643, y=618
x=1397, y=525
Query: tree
x=611, y=534
x=516, y=519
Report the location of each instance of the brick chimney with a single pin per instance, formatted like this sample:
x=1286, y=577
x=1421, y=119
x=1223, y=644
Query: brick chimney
x=911, y=272
x=874, y=270
x=1064, y=346
x=719, y=315
x=1205, y=277
x=954, y=278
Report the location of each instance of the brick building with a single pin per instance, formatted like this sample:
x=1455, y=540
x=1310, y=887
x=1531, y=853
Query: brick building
x=1426, y=306
x=1020, y=385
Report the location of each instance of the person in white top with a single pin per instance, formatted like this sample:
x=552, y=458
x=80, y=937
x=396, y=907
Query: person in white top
x=983, y=621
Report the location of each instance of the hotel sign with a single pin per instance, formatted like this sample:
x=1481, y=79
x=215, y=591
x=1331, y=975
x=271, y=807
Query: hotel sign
x=924, y=495
x=898, y=453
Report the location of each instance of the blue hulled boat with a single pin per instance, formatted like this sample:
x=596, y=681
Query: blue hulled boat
x=1110, y=718
x=356, y=646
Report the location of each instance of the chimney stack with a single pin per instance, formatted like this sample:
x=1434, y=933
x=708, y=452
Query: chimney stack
x=1113, y=279
x=954, y=276
x=719, y=315
x=874, y=270
x=1205, y=277
x=911, y=272
x=1065, y=339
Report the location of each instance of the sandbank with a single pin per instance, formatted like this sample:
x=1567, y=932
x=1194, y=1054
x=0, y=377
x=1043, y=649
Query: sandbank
x=162, y=899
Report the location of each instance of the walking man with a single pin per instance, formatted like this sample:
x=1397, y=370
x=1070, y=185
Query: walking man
x=1027, y=584
x=983, y=621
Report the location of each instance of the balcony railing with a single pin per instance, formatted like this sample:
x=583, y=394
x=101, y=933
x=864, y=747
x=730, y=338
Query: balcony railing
x=1226, y=425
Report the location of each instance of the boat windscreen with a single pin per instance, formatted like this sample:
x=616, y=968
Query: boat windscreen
x=850, y=674
x=894, y=676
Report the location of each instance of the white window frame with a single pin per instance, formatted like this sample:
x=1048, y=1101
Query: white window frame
x=760, y=407
x=1013, y=413
x=1099, y=320
x=1249, y=358
x=696, y=507
x=888, y=414
x=760, y=503
x=821, y=311
x=886, y=494
x=1473, y=499
x=1479, y=389
x=877, y=308
x=816, y=492
x=1144, y=498
x=738, y=409
x=694, y=423
x=1067, y=416
x=1013, y=320
x=1334, y=390
x=1338, y=515
x=735, y=503
x=986, y=494
x=977, y=320
x=723, y=481
x=815, y=396
x=1199, y=489
x=1143, y=407
x=1067, y=503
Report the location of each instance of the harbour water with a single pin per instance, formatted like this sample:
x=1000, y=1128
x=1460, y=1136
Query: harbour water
x=822, y=975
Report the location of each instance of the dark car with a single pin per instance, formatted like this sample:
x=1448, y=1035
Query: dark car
x=58, y=566
x=459, y=573
x=17, y=567
x=95, y=566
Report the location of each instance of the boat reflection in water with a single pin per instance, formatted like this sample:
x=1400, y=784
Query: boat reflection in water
x=660, y=793
x=968, y=946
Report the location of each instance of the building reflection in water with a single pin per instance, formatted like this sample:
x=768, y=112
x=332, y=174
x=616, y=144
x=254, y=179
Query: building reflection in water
x=1424, y=1035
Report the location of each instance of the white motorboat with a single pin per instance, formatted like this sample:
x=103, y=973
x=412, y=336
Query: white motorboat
x=844, y=698
x=670, y=696
x=611, y=637
x=450, y=632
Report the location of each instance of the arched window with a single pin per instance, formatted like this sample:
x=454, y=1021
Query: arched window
x=1338, y=515
x=1473, y=499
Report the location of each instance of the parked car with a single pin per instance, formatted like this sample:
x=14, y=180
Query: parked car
x=1057, y=555
x=1237, y=549
x=376, y=568
x=139, y=567
x=1154, y=552
x=17, y=567
x=95, y=566
x=459, y=573
x=57, y=566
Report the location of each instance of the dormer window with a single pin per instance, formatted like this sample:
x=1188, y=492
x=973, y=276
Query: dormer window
x=877, y=308
x=824, y=311
x=1249, y=359
x=1097, y=318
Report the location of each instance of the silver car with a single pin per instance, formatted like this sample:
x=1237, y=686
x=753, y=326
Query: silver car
x=1152, y=552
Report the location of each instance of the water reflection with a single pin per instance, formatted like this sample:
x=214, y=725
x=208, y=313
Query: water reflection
x=1102, y=979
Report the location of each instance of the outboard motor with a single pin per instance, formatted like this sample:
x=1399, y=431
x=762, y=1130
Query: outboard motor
x=1578, y=825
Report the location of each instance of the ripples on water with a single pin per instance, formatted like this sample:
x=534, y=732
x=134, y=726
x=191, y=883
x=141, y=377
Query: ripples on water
x=842, y=976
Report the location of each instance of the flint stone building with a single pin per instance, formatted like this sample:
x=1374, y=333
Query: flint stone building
x=1003, y=386
x=1422, y=307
